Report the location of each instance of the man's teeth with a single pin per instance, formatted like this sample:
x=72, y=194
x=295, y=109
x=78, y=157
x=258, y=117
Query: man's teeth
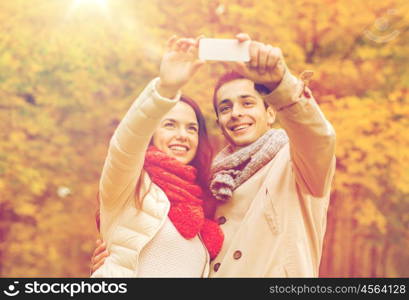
x=240, y=127
x=178, y=148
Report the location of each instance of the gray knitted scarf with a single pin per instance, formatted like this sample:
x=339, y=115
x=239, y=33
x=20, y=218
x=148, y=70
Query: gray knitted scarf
x=230, y=169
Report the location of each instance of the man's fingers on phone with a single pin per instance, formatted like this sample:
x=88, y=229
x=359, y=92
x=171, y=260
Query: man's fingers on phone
x=273, y=57
x=242, y=37
x=262, y=59
x=254, y=52
x=241, y=67
x=270, y=58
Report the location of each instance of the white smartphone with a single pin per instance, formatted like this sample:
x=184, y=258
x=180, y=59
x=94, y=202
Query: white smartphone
x=224, y=49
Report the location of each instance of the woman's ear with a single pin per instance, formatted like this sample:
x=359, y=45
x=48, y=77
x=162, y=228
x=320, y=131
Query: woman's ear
x=271, y=116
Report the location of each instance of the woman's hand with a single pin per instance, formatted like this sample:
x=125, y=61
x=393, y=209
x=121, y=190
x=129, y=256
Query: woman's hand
x=179, y=64
x=99, y=255
x=266, y=65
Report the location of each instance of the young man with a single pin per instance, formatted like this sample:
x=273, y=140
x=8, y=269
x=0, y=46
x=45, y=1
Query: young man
x=273, y=186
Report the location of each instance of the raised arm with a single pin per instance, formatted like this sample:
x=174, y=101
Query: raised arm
x=312, y=138
x=128, y=144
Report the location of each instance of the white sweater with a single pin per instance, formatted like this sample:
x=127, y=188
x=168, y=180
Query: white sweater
x=171, y=255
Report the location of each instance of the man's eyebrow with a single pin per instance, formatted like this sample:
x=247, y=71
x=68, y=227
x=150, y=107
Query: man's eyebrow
x=240, y=96
x=244, y=96
x=224, y=101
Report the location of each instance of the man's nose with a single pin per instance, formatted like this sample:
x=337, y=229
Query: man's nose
x=236, y=111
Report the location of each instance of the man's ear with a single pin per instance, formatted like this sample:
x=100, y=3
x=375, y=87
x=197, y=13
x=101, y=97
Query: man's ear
x=271, y=116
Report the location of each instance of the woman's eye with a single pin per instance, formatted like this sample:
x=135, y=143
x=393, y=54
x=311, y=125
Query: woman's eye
x=247, y=103
x=193, y=129
x=170, y=125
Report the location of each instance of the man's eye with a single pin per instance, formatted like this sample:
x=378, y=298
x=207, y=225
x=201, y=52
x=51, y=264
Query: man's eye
x=224, y=108
x=248, y=103
x=169, y=125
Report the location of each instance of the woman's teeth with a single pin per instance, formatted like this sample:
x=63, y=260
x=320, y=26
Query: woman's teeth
x=178, y=148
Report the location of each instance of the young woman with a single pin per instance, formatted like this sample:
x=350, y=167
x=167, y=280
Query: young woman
x=154, y=180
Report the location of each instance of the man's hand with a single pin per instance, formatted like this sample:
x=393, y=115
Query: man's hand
x=179, y=64
x=266, y=65
x=98, y=257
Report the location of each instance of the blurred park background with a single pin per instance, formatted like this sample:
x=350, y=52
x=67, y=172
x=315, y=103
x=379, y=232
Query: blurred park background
x=70, y=69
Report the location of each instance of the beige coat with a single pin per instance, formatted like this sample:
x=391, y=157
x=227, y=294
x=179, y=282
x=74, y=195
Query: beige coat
x=275, y=222
x=133, y=209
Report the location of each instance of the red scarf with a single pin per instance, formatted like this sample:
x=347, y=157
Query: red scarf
x=178, y=181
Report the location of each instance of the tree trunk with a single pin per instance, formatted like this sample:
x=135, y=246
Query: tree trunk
x=329, y=242
x=384, y=257
x=374, y=262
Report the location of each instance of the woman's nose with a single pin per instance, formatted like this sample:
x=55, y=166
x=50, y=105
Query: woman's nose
x=182, y=135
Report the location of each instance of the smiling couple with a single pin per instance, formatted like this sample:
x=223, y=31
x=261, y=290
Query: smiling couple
x=271, y=186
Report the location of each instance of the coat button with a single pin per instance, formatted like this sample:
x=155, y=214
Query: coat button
x=221, y=220
x=237, y=254
x=216, y=267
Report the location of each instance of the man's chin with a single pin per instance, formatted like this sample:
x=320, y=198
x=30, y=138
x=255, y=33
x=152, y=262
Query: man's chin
x=241, y=141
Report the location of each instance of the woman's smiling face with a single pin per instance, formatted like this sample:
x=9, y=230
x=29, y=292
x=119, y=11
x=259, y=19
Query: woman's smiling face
x=178, y=133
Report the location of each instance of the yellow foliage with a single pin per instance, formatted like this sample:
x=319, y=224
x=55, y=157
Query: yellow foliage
x=26, y=209
x=369, y=215
x=67, y=75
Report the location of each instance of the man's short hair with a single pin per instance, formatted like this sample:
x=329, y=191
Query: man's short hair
x=233, y=75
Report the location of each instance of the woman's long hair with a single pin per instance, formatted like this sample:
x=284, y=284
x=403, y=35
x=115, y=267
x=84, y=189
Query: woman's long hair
x=204, y=153
x=202, y=161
